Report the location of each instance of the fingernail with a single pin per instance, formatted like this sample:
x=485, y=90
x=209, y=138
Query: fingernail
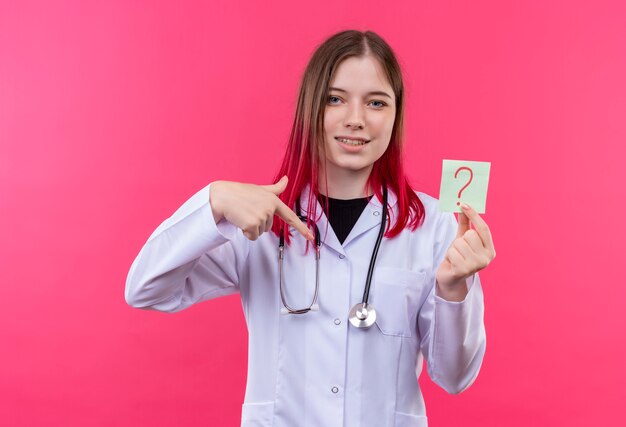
x=465, y=206
x=311, y=236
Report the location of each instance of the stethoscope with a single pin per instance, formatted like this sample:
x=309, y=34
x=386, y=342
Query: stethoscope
x=363, y=314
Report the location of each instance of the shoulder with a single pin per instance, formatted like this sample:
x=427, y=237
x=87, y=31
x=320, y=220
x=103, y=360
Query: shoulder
x=427, y=199
x=433, y=215
x=430, y=203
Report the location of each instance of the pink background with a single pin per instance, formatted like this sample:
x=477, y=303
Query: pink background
x=113, y=113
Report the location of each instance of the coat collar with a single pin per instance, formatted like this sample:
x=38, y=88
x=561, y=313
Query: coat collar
x=370, y=217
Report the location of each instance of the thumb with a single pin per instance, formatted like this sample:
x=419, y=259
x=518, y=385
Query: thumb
x=464, y=224
x=278, y=187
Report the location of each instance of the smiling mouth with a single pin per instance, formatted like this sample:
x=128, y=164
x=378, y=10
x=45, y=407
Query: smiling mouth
x=353, y=142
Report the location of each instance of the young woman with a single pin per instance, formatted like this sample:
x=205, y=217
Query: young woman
x=337, y=334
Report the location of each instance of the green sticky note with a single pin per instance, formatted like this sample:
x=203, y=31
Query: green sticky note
x=463, y=181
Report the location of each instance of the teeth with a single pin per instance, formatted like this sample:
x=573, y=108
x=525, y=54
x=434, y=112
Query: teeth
x=351, y=141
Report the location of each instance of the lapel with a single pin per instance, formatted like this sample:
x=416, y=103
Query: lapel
x=370, y=217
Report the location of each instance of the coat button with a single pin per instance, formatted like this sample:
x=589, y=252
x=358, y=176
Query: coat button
x=342, y=256
x=376, y=213
x=337, y=321
x=335, y=390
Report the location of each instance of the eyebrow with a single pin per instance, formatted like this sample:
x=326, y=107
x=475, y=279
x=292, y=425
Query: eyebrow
x=376, y=92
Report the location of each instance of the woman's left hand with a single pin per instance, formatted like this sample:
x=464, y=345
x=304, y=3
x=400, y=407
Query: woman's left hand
x=471, y=251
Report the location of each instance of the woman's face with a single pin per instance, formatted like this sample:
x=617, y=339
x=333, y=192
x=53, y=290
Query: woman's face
x=360, y=105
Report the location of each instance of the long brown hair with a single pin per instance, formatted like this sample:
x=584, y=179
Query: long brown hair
x=306, y=142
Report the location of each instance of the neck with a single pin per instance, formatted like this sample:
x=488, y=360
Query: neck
x=344, y=184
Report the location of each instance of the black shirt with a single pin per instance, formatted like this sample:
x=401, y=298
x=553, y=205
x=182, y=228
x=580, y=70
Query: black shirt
x=343, y=214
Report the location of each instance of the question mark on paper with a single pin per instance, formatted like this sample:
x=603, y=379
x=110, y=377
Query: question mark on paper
x=466, y=185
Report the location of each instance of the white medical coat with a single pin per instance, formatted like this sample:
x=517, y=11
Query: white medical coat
x=315, y=369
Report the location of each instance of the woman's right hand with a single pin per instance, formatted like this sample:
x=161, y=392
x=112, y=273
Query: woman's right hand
x=252, y=207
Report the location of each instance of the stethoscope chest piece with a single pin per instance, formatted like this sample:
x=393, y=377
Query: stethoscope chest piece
x=362, y=315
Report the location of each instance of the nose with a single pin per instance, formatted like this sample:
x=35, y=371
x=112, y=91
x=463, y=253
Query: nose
x=355, y=119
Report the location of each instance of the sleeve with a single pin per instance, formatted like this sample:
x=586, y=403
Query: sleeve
x=453, y=333
x=187, y=259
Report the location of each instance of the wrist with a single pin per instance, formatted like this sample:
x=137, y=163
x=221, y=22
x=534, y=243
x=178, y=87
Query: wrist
x=214, y=201
x=452, y=292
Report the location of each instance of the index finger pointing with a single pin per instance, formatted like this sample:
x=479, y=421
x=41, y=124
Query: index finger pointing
x=291, y=218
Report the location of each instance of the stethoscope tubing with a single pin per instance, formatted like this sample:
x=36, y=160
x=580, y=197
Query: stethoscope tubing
x=281, y=255
x=381, y=232
x=363, y=306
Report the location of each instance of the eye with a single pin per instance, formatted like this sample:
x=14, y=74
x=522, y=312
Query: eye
x=382, y=103
x=330, y=98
